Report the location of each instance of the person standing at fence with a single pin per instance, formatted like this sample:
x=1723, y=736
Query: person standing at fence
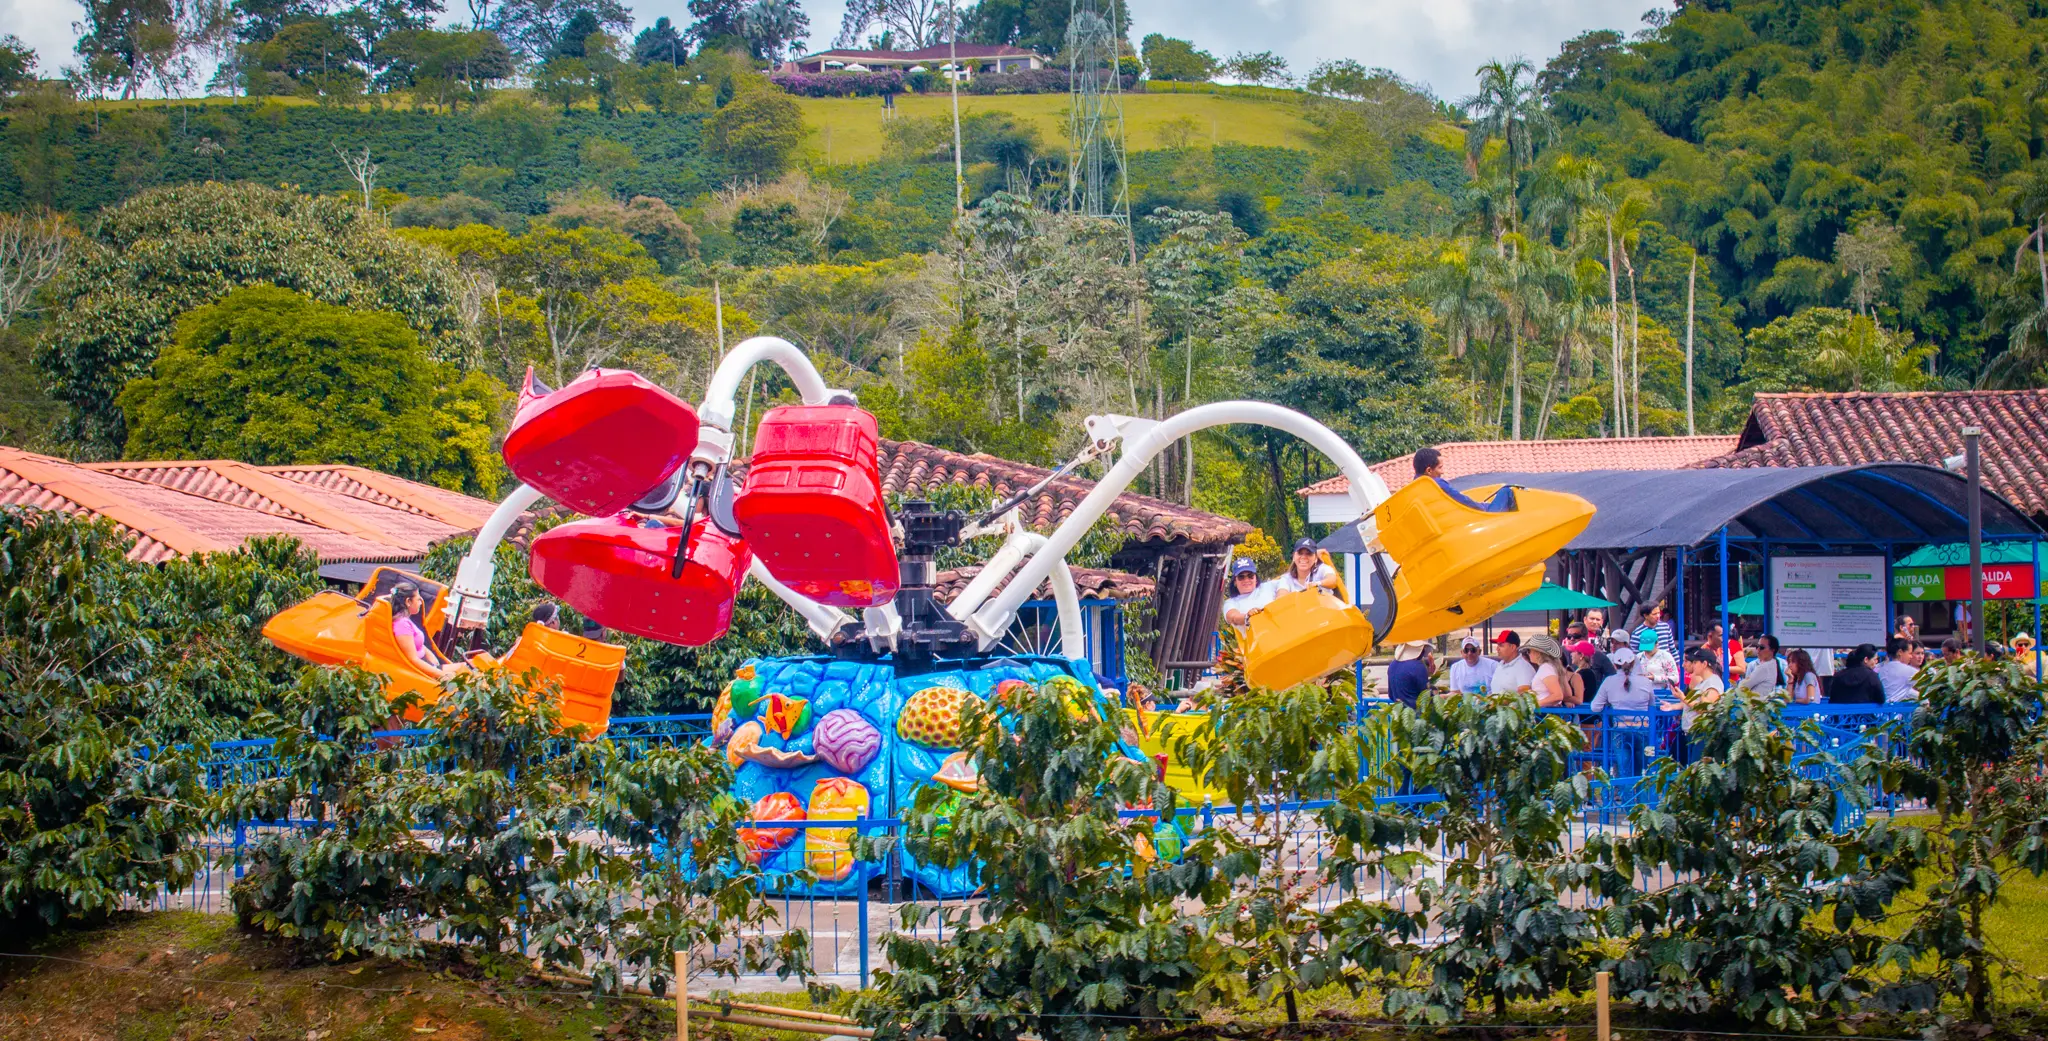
x=1801, y=681
x=1514, y=672
x=1897, y=672
x=2034, y=663
x=1408, y=674
x=1703, y=684
x=1857, y=683
x=1952, y=650
x=1654, y=621
x=1555, y=686
x=1654, y=662
x=1767, y=674
x=1626, y=690
x=1472, y=670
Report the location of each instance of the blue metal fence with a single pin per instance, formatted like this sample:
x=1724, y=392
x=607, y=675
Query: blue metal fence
x=848, y=934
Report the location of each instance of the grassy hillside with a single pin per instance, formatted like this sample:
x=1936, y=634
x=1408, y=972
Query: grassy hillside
x=849, y=130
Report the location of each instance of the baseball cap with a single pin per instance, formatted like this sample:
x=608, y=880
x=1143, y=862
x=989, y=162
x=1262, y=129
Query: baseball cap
x=1304, y=544
x=1508, y=636
x=1647, y=639
x=1469, y=641
x=1620, y=635
x=1622, y=656
x=1243, y=567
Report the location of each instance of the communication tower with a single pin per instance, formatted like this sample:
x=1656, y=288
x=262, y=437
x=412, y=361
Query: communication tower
x=1097, y=183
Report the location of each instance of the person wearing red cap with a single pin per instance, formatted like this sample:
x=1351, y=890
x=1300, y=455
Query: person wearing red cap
x=1514, y=673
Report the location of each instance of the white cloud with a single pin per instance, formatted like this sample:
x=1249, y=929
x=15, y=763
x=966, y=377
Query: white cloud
x=44, y=25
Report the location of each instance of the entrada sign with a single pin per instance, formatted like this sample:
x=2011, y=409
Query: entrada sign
x=2001, y=582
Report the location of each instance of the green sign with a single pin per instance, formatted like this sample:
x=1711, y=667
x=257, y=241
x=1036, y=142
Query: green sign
x=1911, y=584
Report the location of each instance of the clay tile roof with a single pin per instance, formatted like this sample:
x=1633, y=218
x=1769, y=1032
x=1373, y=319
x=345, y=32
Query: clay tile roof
x=1091, y=583
x=463, y=511
x=178, y=508
x=910, y=467
x=934, y=53
x=1465, y=458
x=1919, y=427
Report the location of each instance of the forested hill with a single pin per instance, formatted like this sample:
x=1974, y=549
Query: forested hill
x=1768, y=130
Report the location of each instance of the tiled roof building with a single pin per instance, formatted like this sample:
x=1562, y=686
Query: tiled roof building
x=341, y=513
x=1920, y=427
x=1465, y=458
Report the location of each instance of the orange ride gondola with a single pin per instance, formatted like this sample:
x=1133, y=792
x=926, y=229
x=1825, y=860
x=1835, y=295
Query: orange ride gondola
x=333, y=628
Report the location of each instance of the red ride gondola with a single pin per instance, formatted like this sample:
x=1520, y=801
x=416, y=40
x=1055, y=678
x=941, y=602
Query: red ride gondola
x=601, y=442
x=812, y=505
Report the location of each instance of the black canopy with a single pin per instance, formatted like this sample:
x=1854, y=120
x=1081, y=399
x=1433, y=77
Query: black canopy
x=1871, y=504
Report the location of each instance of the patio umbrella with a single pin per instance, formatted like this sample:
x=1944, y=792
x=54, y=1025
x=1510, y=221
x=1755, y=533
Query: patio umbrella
x=1553, y=597
x=1746, y=604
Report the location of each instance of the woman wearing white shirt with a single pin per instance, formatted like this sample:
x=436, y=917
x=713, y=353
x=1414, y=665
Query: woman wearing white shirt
x=1305, y=571
x=1800, y=678
x=1554, y=687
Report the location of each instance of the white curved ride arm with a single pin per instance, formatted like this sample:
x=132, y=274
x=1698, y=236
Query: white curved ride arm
x=715, y=416
x=824, y=620
x=469, y=597
x=1147, y=439
x=1020, y=544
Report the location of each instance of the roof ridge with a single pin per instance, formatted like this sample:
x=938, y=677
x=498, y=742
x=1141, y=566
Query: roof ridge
x=47, y=471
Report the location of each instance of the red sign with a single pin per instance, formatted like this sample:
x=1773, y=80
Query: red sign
x=2001, y=582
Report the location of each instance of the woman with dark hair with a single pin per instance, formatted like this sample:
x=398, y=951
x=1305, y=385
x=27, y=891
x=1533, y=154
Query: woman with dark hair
x=549, y=614
x=408, y=607
x=1800, y=679
x=1857, y=683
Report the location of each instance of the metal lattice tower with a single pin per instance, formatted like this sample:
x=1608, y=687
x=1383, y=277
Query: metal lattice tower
x=1097, y=184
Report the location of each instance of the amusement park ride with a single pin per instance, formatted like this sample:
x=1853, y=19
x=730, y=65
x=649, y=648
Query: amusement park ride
x=669, y=538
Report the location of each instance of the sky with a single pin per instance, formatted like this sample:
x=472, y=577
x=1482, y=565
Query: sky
x=1437, y=42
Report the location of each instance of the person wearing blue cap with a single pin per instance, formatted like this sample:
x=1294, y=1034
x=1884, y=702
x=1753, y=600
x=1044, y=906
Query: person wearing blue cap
x=1248, y=594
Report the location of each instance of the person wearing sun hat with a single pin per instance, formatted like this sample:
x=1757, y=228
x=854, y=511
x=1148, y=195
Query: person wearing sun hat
x=2033, y=662
x=1555, y=686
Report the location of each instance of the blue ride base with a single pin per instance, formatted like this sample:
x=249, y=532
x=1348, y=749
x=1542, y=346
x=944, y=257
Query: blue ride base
x=899, y=768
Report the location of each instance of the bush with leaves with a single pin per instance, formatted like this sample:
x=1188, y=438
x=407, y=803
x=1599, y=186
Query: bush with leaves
x=1078, y=936
x=495, y=828
x=95, y=806
x=1508, y=792
x=1977, y=753
x=1269, y=752
x=1761, y=920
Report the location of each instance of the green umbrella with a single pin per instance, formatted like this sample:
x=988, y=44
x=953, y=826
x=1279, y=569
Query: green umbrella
x=1749, y=603
x=1553, y=597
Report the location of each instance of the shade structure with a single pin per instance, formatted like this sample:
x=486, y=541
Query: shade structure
x=1958, y=553
x=1746, y=604
x=1553, y=597
x=1790, y=506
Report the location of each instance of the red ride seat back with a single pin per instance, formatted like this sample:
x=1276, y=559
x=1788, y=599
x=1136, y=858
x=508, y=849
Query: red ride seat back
x=601, y=442
x=812, y=505
x=616, y=572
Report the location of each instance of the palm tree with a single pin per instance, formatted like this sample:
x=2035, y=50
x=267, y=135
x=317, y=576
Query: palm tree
x=1508, y=109
x=2027, y=337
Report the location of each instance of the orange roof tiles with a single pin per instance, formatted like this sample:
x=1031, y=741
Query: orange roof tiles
x=1465, y=458
x=175, y=508
x=909, y=467
x=1919, y=427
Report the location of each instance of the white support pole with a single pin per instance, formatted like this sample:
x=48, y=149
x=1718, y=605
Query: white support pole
x=993, y=619
x=1014, y=549
x=715, y=416
x=469, y=597
x=824, y=620
x=1073, y=641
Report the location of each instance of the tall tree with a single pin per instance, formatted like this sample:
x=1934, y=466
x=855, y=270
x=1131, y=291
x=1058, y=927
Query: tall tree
x=919, y=23
x=1508, y=109
x=772, y=27
x=130, y=42
x=660, y=43
x=535, y=28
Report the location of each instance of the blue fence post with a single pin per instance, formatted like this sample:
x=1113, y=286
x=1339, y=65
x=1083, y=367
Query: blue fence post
x=862, y=926
x=1721, y=651
x=241, y=837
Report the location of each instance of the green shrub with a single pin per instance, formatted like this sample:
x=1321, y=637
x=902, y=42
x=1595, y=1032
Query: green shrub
x=96, y=806
x=1747, y=834
x=1079, y=936
x=1976, y=753
x=497, y=830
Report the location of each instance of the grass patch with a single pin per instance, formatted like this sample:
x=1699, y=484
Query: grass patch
x=849, y=130
x=181, y=974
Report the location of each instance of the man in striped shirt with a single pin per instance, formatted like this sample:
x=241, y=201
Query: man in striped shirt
x=1655, y=621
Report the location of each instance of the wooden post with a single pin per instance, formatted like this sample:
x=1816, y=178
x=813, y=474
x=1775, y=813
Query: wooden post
x=1600, y=1020
x=683, y=997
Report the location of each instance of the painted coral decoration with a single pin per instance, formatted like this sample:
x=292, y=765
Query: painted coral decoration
x=932, y=716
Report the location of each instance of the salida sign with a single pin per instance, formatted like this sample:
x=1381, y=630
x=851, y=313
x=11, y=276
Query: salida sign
x=2001, y=582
